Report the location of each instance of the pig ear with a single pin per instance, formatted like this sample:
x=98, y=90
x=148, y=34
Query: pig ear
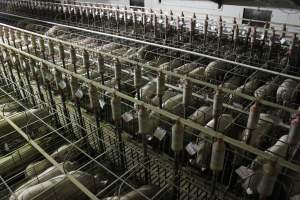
x=75, y=164
x=100, y=183
x=70, y=166
x=64, y=166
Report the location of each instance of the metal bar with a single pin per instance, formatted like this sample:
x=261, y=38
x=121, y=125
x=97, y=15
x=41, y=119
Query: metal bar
x=7, y=186
x=160, y=46
x=169, y=73
x=50, y=159
x=187, y=122
x=108, y=7
x=79, y=149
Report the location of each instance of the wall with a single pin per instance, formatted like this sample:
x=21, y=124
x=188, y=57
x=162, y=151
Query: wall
x=287, y=16
x=118, y=2
x=189, y=6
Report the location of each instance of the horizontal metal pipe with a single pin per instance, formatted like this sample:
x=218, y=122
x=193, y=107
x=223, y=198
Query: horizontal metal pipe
x=73, y=144
x=160, y=46
x=245, y=96
x=187, y=122
x=50, y=159
x=109, y=7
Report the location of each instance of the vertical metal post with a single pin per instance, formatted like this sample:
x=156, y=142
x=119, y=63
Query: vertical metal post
x=42, y=47
x=51, y=50
x=291, y=51
x=3, y=66
x=103, y=20
x=26, y=70
x=81, y=14
x=192, y=28
x=13, y=37
x=18, y=63
x=117, y=18
x=265, y=37
x=86, y=63
x=248, y=35
x=137, y=80
x=92, y=15
x=2, y=34
x=252, y=122
x=167, y=26
x=48, y=79
x=134, y=21
x=6, y=35
x=178, y=29
x=117, y=72
x=62, y=54
x=88, y=16
x=62, y=89
x=76, y=14
x=144, y=22
x=94, y=105
x=73, y=58
x=235, y=37
x=293, y=136
x=19, y=38
x=233, y=28
x=217, y=161
x=271, y=43
x=125, y=19
x=70, y=11
x=155, y=26
x=187, y=96
x=252, y=41
x=13, y=79
x=283, y=32
x=161, y=19
x=33, y=44
x=26, y=42
x=220, y=33
x=160, y=87
x=101, y=67
x=177, y=147
x=36, y=78
x=78, y=96
x=143, y=119
x=116, y=116
x=205, y=29
x=217, y=111
x=171, y=24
